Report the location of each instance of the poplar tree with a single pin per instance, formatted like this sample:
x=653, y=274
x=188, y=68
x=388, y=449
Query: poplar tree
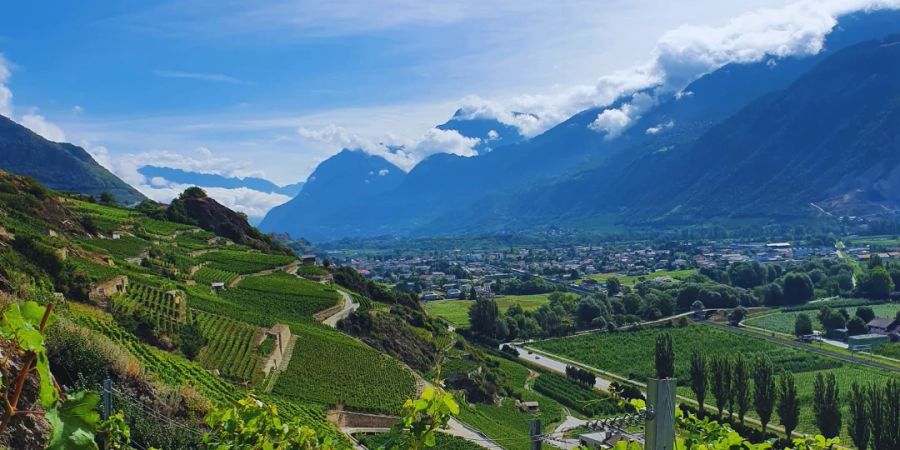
x=698, y=379
x=764, y=393
x=788, y=403
x=827, y=405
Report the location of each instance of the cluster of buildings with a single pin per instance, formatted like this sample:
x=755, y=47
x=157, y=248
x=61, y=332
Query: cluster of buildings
x=454, y=274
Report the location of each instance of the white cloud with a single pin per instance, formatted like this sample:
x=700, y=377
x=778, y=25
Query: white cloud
x=403, y=153
x=40, y=125
x=5, y=93
x=613, y=121
x=214, y=77
x=126, y=166
x=254, y=203
x=32, y=120
x=77, y=109
x=251, y=202
x=383, y=172
x=659, y=128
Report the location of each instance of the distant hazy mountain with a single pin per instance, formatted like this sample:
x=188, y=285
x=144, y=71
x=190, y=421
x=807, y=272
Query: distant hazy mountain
x=572, y=174
x=351, y=174
x=59, y=166
x=220, y=181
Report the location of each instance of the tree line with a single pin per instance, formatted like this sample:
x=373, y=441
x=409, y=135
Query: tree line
x=738, y=384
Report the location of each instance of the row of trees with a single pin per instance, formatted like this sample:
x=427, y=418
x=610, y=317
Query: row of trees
x=581, y=376
x=729, y=381
x=874, y=411
x=788, y=283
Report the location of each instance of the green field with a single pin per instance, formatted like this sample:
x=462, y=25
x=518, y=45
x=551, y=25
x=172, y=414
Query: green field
x=878, y=241
x=631, y=355
x=457, y=311
x=631, y=280
x=783, y=321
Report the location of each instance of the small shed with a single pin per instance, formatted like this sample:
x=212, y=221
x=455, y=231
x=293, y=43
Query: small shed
x=218, y=285
x=866, y=341
x=308, y=259
x=529, y=406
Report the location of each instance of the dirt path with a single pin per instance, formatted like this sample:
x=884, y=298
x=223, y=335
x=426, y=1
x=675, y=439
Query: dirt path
x=348, y=307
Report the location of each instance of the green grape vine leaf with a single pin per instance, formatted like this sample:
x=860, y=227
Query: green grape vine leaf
x=73, y=422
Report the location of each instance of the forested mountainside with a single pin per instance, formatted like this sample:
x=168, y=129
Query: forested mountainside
x=60, y=166
x=830, y=138
x=555, y=178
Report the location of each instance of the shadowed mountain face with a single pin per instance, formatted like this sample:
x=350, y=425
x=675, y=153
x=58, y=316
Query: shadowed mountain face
x=60, y=166
x=349, y=176
x=831, y=137
x=689, y=157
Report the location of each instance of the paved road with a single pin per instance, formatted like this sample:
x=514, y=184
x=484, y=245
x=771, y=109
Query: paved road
x=349, y=307
x=554, y=365
x=804, y=347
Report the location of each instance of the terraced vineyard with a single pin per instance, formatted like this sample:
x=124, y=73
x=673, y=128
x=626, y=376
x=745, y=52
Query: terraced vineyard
x=330, y=368
x=162, y=227
x=244, y=262
x=231, y=346
x=194, y=241
x=165, y=311
x=261, y=299
x=580, y=398
x=174, y=370
x=95, y=271
x=208, y=275
x=126, y=247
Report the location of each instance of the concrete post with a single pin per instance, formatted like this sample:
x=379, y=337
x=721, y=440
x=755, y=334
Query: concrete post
x=660, y=424
x=535, y=433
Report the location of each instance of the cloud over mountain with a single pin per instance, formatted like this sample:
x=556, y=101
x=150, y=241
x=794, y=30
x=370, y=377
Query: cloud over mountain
x=681, y=56
x=402, y=153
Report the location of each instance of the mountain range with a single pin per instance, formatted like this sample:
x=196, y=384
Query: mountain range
x=190, y=178
x=784, y=137
x=60, y=166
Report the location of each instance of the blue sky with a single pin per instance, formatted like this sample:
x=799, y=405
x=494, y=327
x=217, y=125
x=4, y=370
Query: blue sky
x=274, y=87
